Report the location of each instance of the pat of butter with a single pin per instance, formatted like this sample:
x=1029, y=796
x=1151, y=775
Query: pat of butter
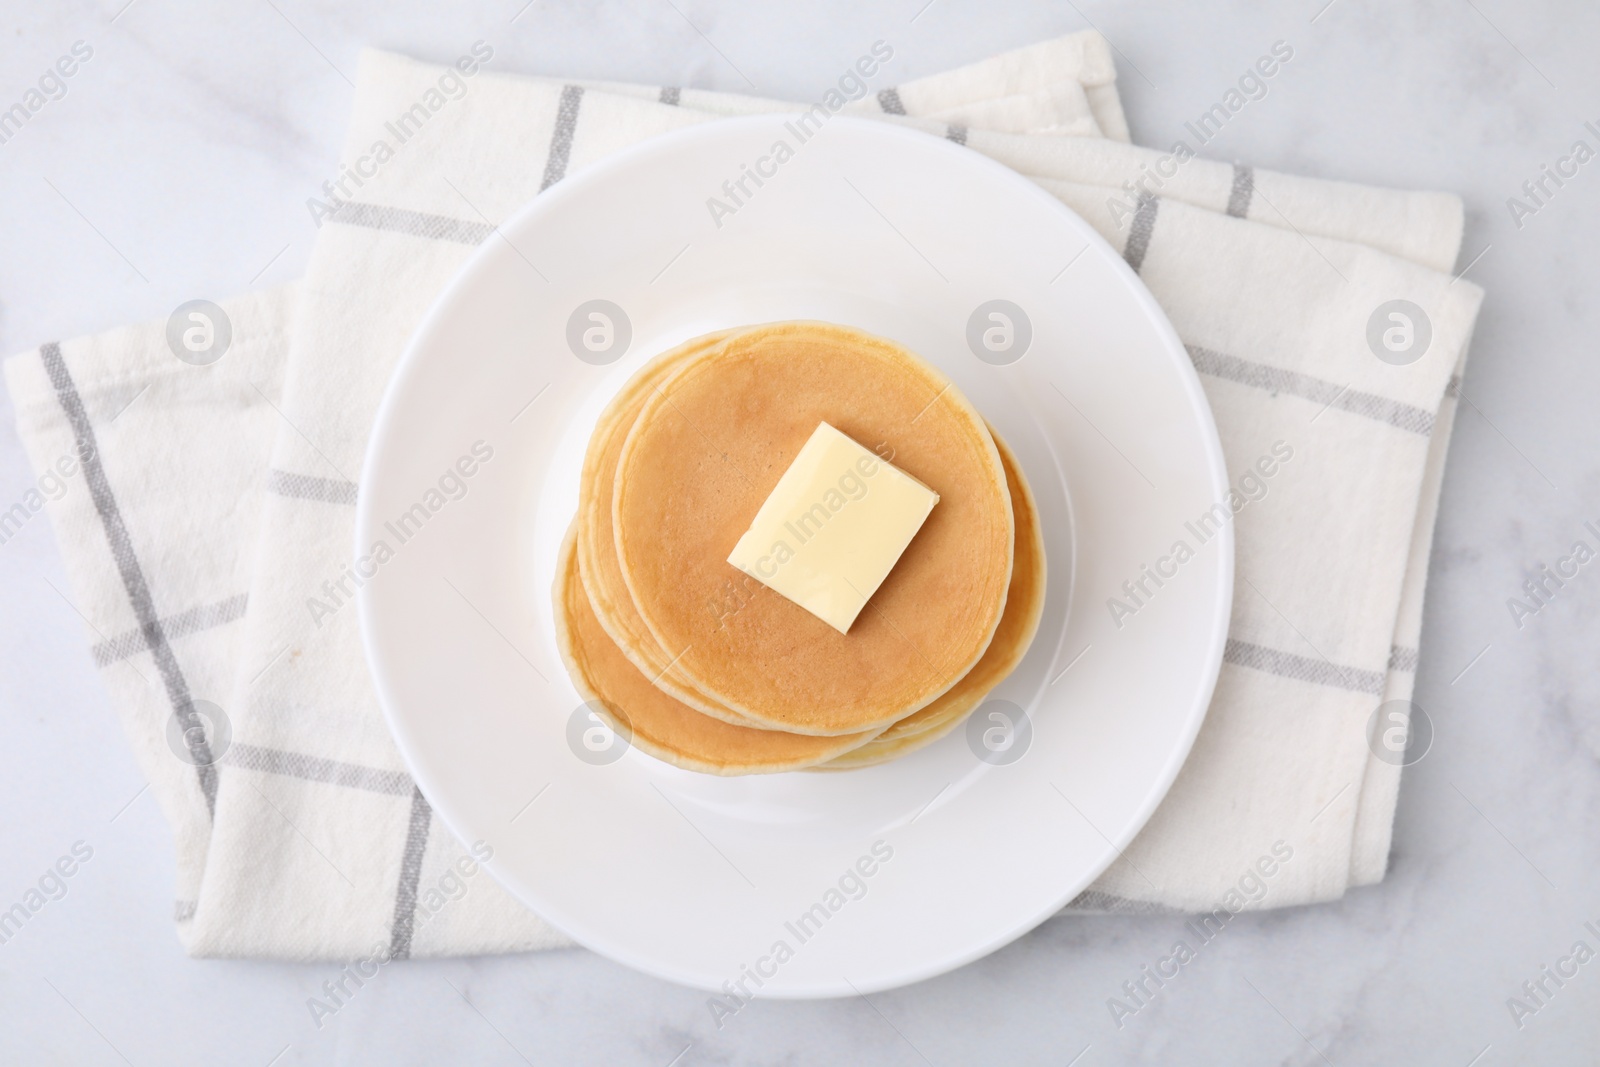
x=833, y=528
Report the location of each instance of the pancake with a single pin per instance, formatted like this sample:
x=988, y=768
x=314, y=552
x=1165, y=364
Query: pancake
x=597, y=555
x=1012, y=638
x=652, y=720
x=706, y=450
x=879, y=751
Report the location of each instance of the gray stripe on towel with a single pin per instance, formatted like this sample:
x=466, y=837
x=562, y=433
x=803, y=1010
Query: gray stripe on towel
x=1144, y=224
x=405, y=897
x=307, y=487
x=1097, y=902
x=555, y=164
x=1302, y=668
x=317, y=769
x=414, y=223
x=1319, y=390
x=1244, y=187
x=132, y=574
x=205, y=617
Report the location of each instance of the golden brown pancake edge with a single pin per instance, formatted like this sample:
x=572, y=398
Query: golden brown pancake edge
x=602, y=578
x=654, y=721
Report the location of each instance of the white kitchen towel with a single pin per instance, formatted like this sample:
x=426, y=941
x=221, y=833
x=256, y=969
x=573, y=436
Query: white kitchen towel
x=212, y=501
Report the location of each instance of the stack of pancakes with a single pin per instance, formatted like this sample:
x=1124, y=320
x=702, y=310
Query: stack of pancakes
x=701, y=665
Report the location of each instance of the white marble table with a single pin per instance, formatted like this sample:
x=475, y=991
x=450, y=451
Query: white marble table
x=178, y=164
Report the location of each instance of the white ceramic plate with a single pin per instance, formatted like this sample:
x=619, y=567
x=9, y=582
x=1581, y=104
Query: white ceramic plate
x=696, y=878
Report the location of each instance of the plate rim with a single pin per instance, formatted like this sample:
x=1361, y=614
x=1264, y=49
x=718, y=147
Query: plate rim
x=550, y=201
